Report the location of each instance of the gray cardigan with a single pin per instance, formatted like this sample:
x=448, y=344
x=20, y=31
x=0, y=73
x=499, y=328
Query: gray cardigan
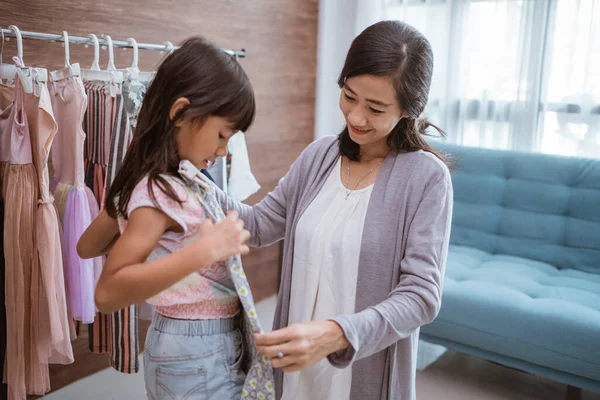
x=401, y=268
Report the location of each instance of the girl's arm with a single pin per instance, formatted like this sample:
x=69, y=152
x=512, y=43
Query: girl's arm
x=99, y=237
x=127, y=279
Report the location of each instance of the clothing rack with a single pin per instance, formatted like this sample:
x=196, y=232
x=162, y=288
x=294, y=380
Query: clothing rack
x=167, y=46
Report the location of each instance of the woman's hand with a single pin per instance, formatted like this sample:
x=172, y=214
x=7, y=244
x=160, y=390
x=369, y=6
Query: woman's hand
x=302, y=345
x=227, y=238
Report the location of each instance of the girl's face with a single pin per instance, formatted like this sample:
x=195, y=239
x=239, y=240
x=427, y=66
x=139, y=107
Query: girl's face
x=202, y=143
x=370, y=108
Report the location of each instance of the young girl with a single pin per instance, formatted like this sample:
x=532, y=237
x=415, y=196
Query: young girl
x=169, y=251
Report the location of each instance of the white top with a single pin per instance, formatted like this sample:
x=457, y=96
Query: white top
x=326, y=256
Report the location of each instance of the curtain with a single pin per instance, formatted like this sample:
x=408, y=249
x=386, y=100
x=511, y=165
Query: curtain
x=513, y=74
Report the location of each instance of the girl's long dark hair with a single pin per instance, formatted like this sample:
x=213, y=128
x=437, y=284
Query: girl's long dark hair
x=396, y=50
x=213, y=82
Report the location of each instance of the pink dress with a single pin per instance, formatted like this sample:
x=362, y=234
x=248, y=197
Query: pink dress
x=75, y=202
x=54, y=339
x=24, y=370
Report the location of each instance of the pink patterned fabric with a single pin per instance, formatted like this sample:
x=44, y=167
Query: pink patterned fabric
x=208, y=294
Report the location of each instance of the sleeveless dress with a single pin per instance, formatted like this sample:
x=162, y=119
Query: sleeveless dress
x=19, y=190
x=76, y=204
x=54, y=339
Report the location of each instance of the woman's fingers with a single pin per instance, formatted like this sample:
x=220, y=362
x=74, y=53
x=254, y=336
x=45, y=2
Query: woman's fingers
x=287, y=349
x=284, y=362
x=279, y=336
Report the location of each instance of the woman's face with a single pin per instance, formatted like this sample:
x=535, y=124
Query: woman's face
x=370, y=108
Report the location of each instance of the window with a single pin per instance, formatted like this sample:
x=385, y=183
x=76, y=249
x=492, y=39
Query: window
x=513, y=74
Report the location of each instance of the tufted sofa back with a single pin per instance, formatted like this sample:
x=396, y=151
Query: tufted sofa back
x=537, y=206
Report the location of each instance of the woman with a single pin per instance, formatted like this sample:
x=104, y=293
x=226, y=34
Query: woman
x=366, y=218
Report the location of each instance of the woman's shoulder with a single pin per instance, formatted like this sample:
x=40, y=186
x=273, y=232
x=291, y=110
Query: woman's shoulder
x=425, y=166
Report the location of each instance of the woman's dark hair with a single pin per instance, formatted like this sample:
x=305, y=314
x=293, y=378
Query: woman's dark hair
x=396, y=50
x=213, y=82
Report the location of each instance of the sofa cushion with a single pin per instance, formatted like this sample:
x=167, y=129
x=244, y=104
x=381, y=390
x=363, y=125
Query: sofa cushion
x=536, y=206
x=521, y=308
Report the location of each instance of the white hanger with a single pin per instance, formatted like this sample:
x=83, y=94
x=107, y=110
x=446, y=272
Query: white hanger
x=69, y=71
x=134, y=69
x=111, y=55
x=94, y=73
x=7, y=71
x=26, y=74
x=132, y=73
x=96, y=63
x=143, y=77
x=17, y=32
x=170, y=47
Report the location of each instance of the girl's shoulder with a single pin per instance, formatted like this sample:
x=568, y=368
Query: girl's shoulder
x=162, y=190
x=170, y=195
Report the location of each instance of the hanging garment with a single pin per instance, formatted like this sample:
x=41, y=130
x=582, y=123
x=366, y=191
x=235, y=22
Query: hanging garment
x=54, y=339
x=20, y=201
x=102, y=119
x=259, y=380
x=242, y=183
x=6, y=99
x=122, y=134
x=118, y=333
x=75, y=202
x=98, y=94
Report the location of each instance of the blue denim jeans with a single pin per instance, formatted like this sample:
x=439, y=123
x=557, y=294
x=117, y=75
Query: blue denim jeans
x=193, y=360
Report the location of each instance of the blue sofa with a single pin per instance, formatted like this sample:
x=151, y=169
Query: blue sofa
x=522, y=284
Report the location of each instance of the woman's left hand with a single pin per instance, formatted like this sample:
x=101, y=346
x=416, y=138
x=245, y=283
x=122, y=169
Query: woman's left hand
x=302, y=345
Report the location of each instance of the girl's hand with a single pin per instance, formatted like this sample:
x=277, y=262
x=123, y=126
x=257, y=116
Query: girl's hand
x=227, y=238
x=302, y=345
x=99, y=237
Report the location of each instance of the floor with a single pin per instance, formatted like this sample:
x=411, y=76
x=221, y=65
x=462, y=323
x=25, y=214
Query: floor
x=453, y=376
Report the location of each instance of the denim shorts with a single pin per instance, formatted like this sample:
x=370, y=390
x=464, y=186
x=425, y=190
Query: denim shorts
x=193, y=360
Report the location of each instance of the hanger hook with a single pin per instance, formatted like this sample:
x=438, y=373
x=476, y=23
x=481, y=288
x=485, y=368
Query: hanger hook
x=95, y=64
x=67, y=52
x=17, y=32
x=133, y=42
x=111, y=54
x=169, y=47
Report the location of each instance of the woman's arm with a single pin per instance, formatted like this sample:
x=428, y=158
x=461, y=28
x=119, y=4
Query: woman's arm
x=266, y=221
x=99, y=237
x=127, y=279
x=416, y=300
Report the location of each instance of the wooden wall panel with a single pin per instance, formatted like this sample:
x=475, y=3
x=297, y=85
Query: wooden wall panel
x=280, y=37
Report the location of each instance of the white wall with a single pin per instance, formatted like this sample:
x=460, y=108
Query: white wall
x=339, y=22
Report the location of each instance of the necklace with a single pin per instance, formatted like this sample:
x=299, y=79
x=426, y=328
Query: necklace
x=349, y=192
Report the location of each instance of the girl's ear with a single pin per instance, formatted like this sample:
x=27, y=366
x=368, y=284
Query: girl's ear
x=177, y=106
